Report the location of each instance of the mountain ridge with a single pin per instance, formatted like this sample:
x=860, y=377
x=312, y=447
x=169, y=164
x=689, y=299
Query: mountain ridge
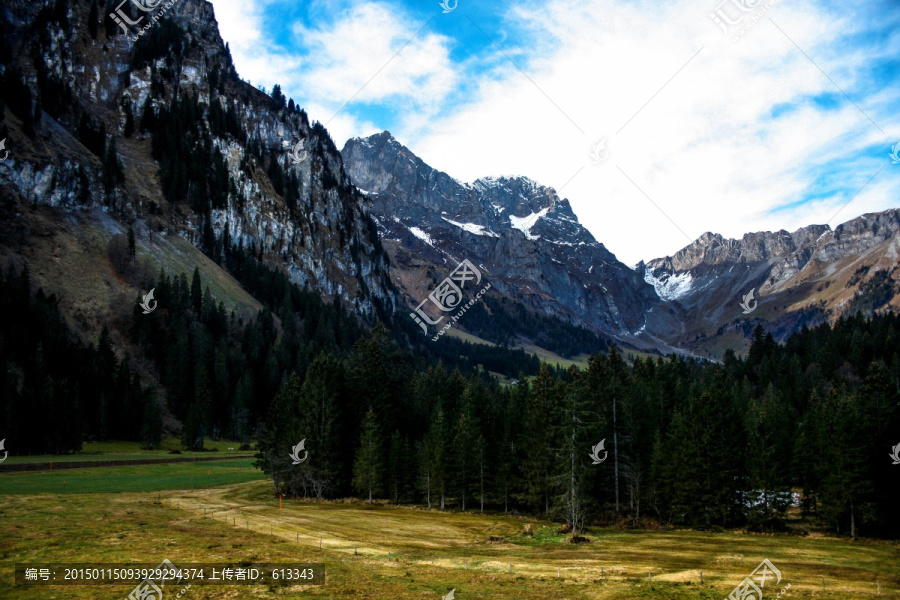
x=681, y=303
x=513, y=227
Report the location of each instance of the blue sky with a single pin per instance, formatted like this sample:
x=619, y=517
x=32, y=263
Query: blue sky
x=785, y=120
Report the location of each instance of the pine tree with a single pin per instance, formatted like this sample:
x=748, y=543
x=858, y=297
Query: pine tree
x=131, y=244
x=464, y=442
x=572, y=431
x=319, y=420
x=93, y=19
x=434, y=460
x=279, y=434
x=769, y=423
x=395, y=467
x=196, y=292
x=151, y=423
x=113, y=172
x=277, y=95
x=367, y=469
x=538, y=443
x=196, y=425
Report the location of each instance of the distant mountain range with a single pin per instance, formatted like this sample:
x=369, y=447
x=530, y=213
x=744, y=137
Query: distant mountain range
x=533, y=248
x=812, y=275
x=161, y=138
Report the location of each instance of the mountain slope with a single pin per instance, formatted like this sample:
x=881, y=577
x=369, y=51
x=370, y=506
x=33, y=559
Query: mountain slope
x=163, y=136
x=521, y=234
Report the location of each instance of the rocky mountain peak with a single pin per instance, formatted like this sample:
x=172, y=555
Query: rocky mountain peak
x=520, y=232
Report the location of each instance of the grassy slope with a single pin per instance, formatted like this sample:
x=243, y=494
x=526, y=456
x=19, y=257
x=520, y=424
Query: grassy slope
x=387, y=551
x=544, y=355
x=67, y=255
x=551, y=358
x=177, y=255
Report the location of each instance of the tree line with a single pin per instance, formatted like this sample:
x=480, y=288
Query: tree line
x=56, y=390
x=685, y=441
x=214, y=370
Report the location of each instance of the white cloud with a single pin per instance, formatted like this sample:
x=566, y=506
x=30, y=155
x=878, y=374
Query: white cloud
x=704, y=149
x=241, y=25
x=345, y=57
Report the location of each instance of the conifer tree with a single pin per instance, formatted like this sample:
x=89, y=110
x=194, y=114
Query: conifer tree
x=368, y=468
x=196, y=292
x=280, y=432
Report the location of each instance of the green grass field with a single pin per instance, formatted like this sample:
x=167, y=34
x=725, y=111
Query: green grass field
x=132, y=478
x=104, y=451
x=148, y=513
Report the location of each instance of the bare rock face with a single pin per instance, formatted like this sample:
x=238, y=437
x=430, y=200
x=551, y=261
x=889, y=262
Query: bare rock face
x=523, y=235
x=319, y=230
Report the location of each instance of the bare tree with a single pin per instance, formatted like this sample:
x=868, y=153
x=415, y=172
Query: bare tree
x=633, y=472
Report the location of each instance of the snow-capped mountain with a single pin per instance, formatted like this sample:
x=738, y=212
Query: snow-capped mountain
x=531, y=246
x=524, y=237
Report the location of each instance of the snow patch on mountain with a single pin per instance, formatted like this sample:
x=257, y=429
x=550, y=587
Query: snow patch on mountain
x=669, y=287
x=422, y=236
x=472, y=228
x=524, y=224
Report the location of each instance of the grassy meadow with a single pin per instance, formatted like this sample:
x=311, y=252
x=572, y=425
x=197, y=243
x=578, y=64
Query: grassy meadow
x=107, y=451
x=146, y=513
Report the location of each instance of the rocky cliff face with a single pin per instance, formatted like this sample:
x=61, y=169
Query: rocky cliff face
x=525, y=238
x=90, y=81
